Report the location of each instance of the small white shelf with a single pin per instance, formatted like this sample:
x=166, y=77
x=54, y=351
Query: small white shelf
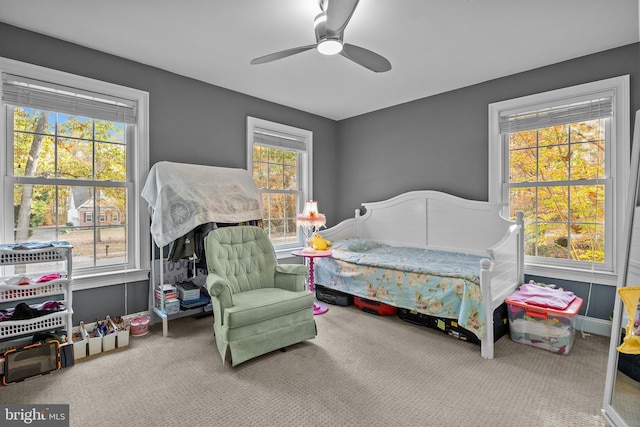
x=49, y=253
x=157, y=305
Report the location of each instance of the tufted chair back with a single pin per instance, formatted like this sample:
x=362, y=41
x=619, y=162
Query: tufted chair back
x=243, y=255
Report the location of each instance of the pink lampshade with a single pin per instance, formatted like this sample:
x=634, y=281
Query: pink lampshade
x=310, y=217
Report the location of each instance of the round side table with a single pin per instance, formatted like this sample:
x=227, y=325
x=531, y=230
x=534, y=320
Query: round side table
x=318, y=307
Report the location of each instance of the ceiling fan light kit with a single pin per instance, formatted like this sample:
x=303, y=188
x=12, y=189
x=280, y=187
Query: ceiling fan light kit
x=329, y=28
x=329, y=46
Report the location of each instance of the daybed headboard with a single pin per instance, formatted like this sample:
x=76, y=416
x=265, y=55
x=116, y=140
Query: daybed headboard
x=427, y=219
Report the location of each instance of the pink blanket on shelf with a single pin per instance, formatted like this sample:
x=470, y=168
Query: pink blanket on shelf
x=541, y=296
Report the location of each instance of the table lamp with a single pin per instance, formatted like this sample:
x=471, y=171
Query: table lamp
x=310, y=220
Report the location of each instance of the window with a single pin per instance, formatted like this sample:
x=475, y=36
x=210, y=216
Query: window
x=279, y=157
x=562, y=158
x=76, y=151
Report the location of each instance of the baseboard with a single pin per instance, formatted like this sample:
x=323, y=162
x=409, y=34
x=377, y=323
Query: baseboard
x=134, y=315
x=591, y=325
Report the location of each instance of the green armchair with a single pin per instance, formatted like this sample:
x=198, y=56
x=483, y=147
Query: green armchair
x=258, y=305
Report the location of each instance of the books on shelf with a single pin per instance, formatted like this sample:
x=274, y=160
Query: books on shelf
x=185, y=295
x=188, y=291
x=170, y=292
x=200, y=302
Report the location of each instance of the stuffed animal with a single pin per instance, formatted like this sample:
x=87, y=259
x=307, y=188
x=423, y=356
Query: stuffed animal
x=319, y=243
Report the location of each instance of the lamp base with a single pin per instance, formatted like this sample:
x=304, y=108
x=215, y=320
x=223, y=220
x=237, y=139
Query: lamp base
x=309, y=250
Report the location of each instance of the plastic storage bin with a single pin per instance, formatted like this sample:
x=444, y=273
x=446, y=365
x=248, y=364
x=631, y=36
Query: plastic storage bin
x=140, y=326
x=109, y=334
x=79, y=339
x=451, y=326
x=332, y=296
x=94, y=338
x=122, y=326
x=374, y=307
x=172, y=307
x=546, y=328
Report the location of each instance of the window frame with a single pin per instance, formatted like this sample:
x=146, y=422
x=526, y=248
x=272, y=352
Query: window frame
x=138, y=168
x=305, y=169
x=616, y=171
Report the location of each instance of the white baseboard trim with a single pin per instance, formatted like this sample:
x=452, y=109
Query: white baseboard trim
x=592, y=325
x=132, y=316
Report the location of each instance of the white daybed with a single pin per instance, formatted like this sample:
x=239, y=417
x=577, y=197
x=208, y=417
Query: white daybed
x=437, y=222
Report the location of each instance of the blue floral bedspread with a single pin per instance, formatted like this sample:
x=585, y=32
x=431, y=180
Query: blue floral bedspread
x=432, y=282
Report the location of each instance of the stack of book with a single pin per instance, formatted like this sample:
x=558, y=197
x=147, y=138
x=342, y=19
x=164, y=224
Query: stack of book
x=190, y=295
x=188, y=291
x=170, y=294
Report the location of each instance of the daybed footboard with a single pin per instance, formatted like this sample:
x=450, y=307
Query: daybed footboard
x=500, y=276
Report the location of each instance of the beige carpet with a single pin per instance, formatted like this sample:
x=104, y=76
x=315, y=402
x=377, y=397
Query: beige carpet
x=625, y=399
x=361, y=369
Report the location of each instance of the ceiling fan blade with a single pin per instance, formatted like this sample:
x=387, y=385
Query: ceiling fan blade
x=366, y=58
x=282, y=54
x=339, y=13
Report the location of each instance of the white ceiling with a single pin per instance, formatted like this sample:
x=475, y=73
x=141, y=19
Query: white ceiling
x=433, y=45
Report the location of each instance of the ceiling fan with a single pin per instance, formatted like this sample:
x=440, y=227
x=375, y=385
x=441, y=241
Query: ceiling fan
x=329, y=28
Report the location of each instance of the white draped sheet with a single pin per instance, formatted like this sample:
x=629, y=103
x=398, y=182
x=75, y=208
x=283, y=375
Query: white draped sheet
x=183, y=196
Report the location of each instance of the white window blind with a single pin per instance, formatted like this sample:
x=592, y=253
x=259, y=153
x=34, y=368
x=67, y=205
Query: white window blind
x=575, y=112
x=30, y=93
x=281, y=140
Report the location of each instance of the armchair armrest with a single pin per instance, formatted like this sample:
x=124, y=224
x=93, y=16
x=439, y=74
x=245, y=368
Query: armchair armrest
x=221, y=295
x=290, y=277
x=219, y=288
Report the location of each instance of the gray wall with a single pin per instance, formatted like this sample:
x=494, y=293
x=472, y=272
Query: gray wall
x=436, y=143
x=441, y=142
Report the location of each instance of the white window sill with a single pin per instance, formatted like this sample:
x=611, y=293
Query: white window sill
x=576, y=274
x=108, y=279
x=142, y=275
x=286, y=253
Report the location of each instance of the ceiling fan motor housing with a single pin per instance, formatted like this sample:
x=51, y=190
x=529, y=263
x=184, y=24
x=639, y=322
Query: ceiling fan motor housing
x=328, y=43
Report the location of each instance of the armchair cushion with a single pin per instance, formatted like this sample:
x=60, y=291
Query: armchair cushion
x=264, y=304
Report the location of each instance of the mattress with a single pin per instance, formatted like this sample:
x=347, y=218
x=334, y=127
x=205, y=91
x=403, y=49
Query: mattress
x=432, y=282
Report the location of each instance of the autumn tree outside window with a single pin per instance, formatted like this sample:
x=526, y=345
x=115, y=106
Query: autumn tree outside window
x=562, y=158
x=73, y=167
x=279, y=157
